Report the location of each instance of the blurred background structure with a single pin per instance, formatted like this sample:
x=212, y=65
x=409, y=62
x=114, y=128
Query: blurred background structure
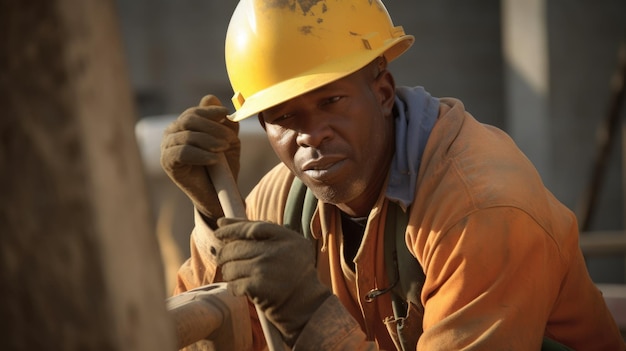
x=542, y=70
x=80, y=267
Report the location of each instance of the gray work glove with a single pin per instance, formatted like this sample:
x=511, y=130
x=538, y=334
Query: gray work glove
x=193, y=142
x=275, y=267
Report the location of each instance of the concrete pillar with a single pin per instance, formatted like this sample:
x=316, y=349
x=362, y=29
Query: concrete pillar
x=560, y=57
x=79, y=264
x=584, y=39
x=525, y=51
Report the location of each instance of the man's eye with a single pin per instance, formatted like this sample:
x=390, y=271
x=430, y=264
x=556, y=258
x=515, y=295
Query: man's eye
x=281, y=118
x=332, y=100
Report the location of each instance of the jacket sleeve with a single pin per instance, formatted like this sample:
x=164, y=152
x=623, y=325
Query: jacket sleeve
x=332, y=328
x=490, y=282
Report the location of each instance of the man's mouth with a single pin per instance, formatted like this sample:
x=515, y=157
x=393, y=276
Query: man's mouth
x=323, y=168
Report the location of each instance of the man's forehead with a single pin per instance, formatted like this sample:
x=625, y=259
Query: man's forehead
x=325, y=89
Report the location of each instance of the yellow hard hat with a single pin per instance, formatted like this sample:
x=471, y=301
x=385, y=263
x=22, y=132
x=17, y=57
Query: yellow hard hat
x=278, y=49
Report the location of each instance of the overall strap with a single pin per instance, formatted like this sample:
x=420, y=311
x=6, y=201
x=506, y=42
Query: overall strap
x=405, y=274
x=300, y=208
x=404, y=271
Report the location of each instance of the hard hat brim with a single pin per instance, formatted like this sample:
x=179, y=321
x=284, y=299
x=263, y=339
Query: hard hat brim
x=320, y=76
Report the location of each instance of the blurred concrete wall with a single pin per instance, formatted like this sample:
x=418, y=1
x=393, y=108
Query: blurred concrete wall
x=583, y=45
x=175, y=53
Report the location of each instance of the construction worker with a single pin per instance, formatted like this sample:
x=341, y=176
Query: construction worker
x=499, y=266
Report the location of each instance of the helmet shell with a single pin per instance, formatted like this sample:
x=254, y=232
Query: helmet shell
x=279, y=49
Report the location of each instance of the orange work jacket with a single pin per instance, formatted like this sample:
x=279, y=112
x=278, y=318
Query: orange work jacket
x=500, y=253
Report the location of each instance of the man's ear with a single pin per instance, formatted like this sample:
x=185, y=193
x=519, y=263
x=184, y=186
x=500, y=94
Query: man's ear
x=386, y=91
x=261, y=120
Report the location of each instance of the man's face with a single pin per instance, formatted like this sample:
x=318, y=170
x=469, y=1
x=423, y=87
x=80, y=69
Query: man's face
x=338, y=139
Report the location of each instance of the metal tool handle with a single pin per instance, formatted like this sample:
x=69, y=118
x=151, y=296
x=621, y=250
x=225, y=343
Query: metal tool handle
x=233, y=207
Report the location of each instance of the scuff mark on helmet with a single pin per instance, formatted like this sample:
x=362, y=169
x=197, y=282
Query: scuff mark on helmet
x=306, y=30
x=305, y=5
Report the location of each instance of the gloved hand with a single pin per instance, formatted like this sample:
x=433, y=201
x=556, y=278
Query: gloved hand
x=193, y=142
x=275, y=268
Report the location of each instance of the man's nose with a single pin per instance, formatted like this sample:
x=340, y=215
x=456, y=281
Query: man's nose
x=313, y=130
